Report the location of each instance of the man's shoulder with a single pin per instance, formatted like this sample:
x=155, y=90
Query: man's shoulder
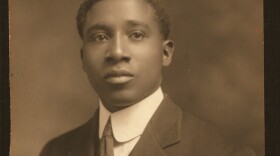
x=61, y=143
x=191, y=135
x=64, y=143
x=197, y=126
x=206, y=139
x=70, y=135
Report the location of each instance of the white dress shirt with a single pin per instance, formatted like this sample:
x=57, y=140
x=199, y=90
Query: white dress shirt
x=128, y=124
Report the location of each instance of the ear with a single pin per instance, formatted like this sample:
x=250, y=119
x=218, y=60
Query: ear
x=82, y=56
x=168, y=48
x=82, y=53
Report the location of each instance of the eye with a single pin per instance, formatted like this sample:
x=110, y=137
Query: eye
x=137, y=35
x=99, y=37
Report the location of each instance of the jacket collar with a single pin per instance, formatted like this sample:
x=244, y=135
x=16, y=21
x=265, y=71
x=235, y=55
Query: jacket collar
x=163, y=130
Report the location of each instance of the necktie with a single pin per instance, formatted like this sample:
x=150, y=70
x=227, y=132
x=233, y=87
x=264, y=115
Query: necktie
x=106, y=147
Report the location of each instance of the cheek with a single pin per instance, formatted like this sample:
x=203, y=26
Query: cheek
x=93, y=55
x=91, y=63
x=152, y=56
x=151, y=62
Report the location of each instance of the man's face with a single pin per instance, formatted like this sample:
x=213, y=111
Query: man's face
x=124, y=51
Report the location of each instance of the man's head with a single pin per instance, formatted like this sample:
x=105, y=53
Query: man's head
x=161, y=16
x=124, y=49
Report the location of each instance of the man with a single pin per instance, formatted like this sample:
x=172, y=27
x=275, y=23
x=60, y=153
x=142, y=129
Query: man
x=125, y=47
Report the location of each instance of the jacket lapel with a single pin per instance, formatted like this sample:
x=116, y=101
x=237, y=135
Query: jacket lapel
x=162, y=131
x=86, y=140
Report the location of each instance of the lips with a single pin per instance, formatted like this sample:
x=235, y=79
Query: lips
x=118, y=76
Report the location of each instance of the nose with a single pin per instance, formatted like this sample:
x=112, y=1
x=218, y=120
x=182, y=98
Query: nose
x=116, y=51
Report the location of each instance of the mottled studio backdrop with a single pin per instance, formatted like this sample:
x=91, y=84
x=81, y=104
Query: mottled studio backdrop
x=216, y=74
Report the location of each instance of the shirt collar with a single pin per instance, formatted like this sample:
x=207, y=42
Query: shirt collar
x=130, y=122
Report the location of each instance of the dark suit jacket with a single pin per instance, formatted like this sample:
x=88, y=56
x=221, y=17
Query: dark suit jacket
x=169, y=132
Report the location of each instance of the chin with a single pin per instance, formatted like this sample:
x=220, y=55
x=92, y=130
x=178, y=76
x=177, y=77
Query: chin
x=123, y=99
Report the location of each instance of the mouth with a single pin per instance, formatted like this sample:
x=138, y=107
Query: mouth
x=118, y=76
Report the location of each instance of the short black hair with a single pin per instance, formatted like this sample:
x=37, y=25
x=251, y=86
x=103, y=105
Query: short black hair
x=161, y=15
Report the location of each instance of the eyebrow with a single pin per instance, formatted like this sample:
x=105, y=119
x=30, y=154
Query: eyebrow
x=107, y=28
x=134, y=23
x=99, y=26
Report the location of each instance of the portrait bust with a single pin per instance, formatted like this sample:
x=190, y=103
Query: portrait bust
x=126, y=52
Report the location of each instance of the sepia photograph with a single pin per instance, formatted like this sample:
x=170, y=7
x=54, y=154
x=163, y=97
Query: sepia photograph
x=137, y=78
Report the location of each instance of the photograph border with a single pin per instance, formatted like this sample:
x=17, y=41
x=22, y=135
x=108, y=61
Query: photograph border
x=271, y=66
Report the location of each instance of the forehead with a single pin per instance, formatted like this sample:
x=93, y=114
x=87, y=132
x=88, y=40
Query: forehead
x=117, y=11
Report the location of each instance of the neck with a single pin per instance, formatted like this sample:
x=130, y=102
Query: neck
x=117, y=106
